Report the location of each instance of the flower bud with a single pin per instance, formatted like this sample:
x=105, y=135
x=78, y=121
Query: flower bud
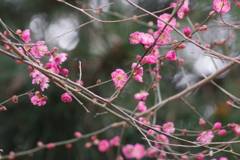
x=77, y=134
x=217, y=125
x=65, y=71
x=202, y=122
x=51, y=145
x=222, y=132
x=15, y=99
x=68, y=146
x=187, y=31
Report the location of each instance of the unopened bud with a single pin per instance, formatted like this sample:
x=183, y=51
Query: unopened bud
x=77, y=134
x=68, y=146
x=134, y=18
x=51, y=145
x=202, y=122
x=6, y=34
x=181, y=62
x=39, y=144
x=212, y=14
x=150, y=23
x=99, y=81
x=15, y=99
x=88, y=145
x=3, y=108
x=19, y=32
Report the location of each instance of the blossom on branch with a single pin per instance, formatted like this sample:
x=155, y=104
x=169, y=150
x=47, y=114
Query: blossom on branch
x=26, y=36
x=66, y=97
x=138, y=72
x=168, y=127
x=205, y=137
x=103, y=145
x=119, y=77
x=39, y=50
x=166, y=17
x=221, y=6
x=142, y=95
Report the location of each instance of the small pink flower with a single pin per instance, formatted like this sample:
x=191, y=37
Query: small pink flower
x=79, y=82
x=119, y=77
x=223, y=158
x=183, y=11
x=164, y=38
x=222, y=132
x=236, y=129
x=150, y=59
x=187, y=31
x=51, y=145
x=39, y=50
x=217, y=126
x=202, y=122
x=58, y=58
x=146, y=38
x=168, y=128
x=77, y=134
x=166, y=17
x=152, y=152
x=38, y=100
x=200, y=156
x=205, y=137
x=151, y=132
x=115, y=141
x=127, y=151
x=135, y=38
x=26, y=36
x=66, y=97
x=221, y=6
x=144, y=120
x=138, y=151
x=162, y=139
x=141, y=106
x=171, y=55
x=142, y=95
x=65, y=71
x=138, y=73
x=39, y=78
x=103, y=145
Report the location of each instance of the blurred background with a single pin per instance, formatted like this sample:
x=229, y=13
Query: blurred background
x=102, y=48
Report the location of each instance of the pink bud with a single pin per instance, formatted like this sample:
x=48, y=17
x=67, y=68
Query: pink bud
x=217, y=125
x=138, y=57
x=212, y=14
x=200, y=156
x=55, y=49
x=79, y=82
x=196, y=25
x=171, y=55
x=237, y=4
x=18, y=61
x=184, y=157
x=222, y=132
x=77, y=134
x=208, y=46
x=30, y=68
x=103, y=145
x=181, y=62
x=48, y=53
x=65, y=71
x=48, y=65
x=39, y=144
x=202, y=122
x=162, y=155
x=51, y=145
x=68, y=146
x=66, y=97
x=187, y=31
x=229, y=103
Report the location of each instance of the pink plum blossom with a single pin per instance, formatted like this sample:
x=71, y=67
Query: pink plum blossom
x=236, y=129
x=66, y=97
x=187, y=31
x=146, y=38
x=141, y=106
x=164, y=38
x=168, y=127
x=115, y=141
x=152, y=152
x=39, y=50
x=39, y=78
x=127, y=151
x=205, y=137
x=26, y=36
x=183, y=11
x=166, y=17
x=144, y=120
x=135, y=38
x=199, y=156
x=151, y=132
x=119, y=77
x=171, y=55
x=138, y=151
x=142, y=95
x=150, y=59
x=38, y=99
x=162, y=139
x=217, y=126
x=138, y=73
x=221, y=6
x=103, y=145
x=223, y=158
x=58, y=58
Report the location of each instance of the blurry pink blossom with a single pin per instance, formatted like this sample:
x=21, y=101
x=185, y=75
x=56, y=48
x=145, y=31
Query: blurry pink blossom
x=115, y=141
x=205, y=137
x=164, y=38
x=221, y=6
x=142, y=95
x=58, y=58
x=151, y=132
x=162, y=139
x=66, y=97
x=39, y=50
x=138, y=73
x=168, y=127
x=171, y=55
x=135, y=38
x=103, y=145
x=166, y=17
x=119, y=77
x=150, y=59
x=141, y=106
x=26, y=36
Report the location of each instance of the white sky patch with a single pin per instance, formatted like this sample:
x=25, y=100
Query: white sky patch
x=37, y=27
x=61, y=25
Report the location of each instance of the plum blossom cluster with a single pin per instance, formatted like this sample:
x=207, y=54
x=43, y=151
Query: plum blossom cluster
x=38, y=50
x=104, y=144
